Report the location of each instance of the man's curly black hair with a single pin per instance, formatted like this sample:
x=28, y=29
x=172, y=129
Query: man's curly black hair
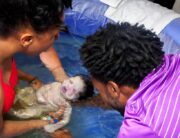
x=122, y=53
x=41, y=15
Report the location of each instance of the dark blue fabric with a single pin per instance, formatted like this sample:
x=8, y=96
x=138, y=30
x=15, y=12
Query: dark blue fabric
x=94, y=122
x=86, y=122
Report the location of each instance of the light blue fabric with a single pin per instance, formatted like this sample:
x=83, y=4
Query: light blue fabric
x=170, y=35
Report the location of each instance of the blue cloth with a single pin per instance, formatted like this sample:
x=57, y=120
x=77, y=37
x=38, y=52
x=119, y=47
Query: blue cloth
x=85, y=17
x=173, y=30
x=170, y=35
x=94, y=122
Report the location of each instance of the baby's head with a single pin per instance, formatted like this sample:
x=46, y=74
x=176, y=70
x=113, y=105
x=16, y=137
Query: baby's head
x=77, y=87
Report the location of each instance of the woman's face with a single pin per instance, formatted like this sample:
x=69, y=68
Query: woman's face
x=42, y=42
x=72, y=87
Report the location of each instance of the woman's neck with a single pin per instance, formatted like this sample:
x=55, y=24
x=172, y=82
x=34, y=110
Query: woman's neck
x=8, y=47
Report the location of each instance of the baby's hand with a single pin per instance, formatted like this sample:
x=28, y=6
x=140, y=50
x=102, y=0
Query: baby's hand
x=56, y=115
x=61, y=110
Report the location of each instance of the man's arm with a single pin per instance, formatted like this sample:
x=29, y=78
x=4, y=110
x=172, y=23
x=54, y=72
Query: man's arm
x=52, y=62
x=132, y=128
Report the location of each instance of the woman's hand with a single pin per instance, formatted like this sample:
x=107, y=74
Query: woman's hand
x=37, y=124
x=16, y=128
x=36, y=83
x=33, y=81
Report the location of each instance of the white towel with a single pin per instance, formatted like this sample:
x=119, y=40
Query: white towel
x=112, y=3
x=151, y=15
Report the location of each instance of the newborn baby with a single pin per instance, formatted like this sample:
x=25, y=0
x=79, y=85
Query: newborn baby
x=55, y=97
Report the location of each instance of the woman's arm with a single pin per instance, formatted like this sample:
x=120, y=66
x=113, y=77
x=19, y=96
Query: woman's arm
x=25, y=76
x=15, y=128
x=52, y=62
x=32, y=80
x=1, y=106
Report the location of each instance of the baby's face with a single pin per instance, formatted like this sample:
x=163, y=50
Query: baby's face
x=72, y=87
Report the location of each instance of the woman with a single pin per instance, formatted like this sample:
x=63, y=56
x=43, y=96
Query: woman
x=28, y=26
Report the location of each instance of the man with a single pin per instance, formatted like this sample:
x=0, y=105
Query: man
x=130, y=71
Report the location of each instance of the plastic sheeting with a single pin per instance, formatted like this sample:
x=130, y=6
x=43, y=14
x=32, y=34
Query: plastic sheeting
x=86, y=122
x=86, y=17
x=93, y=122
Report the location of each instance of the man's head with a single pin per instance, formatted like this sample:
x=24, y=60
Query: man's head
x=77, y=88
x=119, y=57
x=34, y=23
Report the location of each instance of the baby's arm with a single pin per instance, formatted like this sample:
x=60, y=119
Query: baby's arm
x=47, y=93
x=58, y=114
x=65, y=120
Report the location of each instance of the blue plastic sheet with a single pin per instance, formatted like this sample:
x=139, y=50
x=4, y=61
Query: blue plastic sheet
x=94, y=122
x=86, y=122
x=85, y=17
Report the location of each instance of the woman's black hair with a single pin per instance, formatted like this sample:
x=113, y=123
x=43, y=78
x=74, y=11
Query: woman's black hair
x=41, y=15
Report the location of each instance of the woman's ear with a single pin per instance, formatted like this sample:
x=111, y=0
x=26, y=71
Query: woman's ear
x=113, y=89
x=26, y=40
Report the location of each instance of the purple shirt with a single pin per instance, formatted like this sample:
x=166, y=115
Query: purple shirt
x=153, y=111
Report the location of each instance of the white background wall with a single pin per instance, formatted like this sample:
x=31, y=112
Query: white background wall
x=176, y=6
